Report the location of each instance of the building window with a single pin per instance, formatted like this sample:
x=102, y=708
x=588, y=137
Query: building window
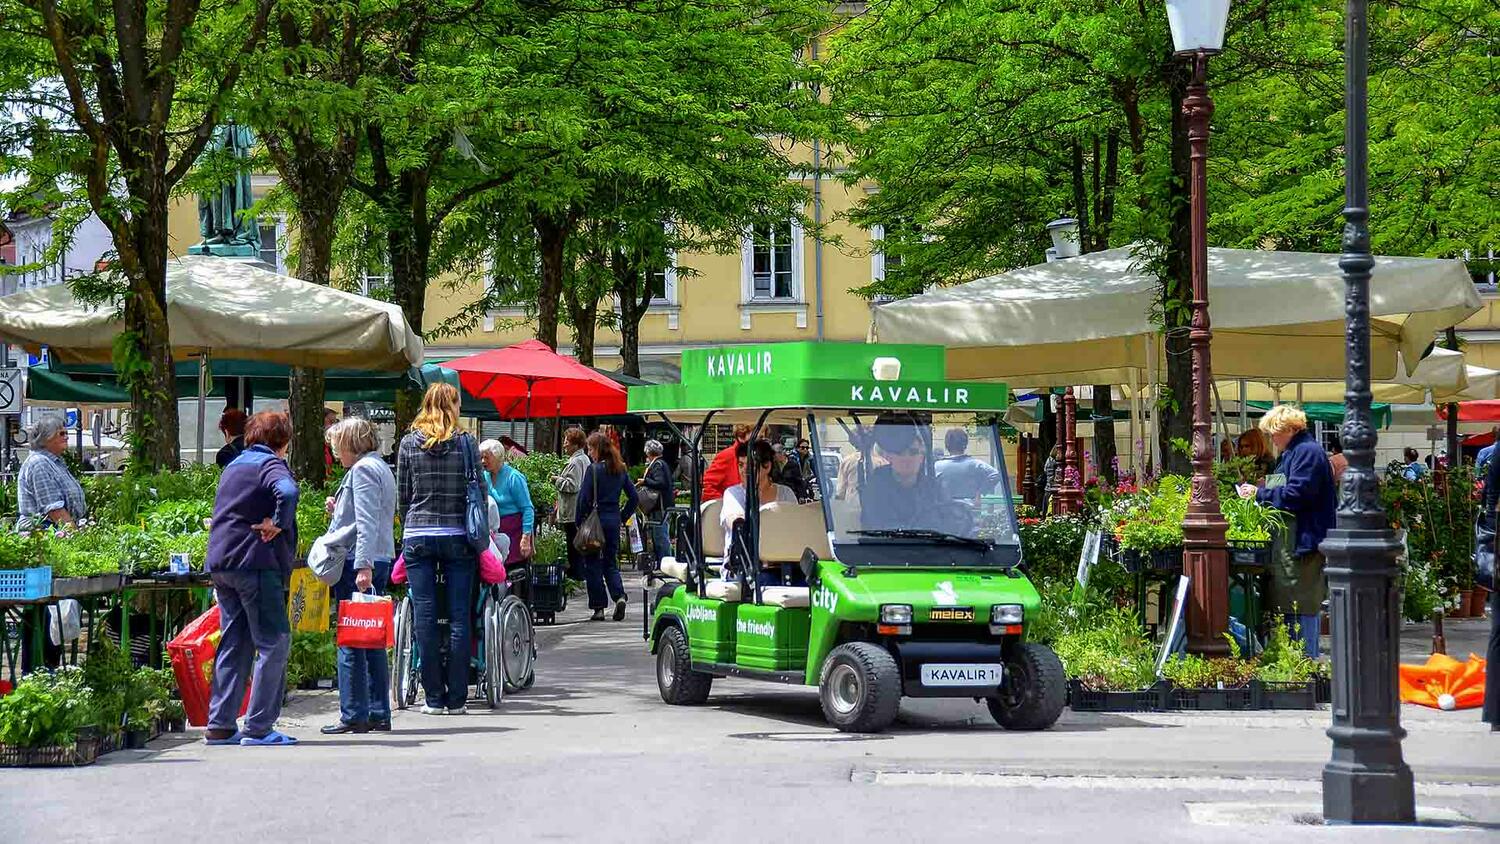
x=271, y=235
x=881, y=262
x=772, y=263
x=1482, y=268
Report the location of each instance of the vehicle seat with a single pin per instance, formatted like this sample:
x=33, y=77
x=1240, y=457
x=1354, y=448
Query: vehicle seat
x=723, y=590
x=787, y=530
x=713, y=535
x=673, y=568
x=789, y=597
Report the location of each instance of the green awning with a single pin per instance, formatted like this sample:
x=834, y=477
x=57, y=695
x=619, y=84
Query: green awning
x=96, y=383
x=1332, y=413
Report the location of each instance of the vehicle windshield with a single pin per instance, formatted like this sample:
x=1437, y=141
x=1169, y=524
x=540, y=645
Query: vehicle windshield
x=898, y=480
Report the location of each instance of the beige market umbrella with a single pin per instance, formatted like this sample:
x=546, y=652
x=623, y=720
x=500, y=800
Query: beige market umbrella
x=230, y=309
x=1276, y=316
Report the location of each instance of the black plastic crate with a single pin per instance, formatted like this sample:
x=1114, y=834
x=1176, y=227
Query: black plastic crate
x=81, y=752
x=548, y=575
x=1211, y=700
x=1285, y=695
x=1248, y=554
x=1153, y=699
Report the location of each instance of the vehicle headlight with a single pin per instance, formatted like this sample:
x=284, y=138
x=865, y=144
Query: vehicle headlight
x=1006, y=614
x=895, y=614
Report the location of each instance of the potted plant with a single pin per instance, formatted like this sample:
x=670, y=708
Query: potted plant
x=41, y=720
x=1210, y=683
x=1251, y=527
x=1284, y=677
x=1109, y=664
x=1149, y=526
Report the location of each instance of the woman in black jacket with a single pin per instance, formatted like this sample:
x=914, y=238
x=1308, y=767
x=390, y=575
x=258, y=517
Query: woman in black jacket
x=603, y=484
x=658, y=479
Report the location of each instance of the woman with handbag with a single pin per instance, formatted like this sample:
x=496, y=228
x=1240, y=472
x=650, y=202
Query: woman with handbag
x=365, y=501
x=511, y=495
x=655, y=496
x=599, y=518
x=436, y=475
x=568, y=484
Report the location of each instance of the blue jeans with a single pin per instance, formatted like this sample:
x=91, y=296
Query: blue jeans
x=1306, y=629
x=601, y=572
x=449, y=562
x=255, y=641
x=661, y=544
x=364, y=673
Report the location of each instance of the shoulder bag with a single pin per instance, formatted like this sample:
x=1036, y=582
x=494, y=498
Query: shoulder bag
x=649, y=498
x=590, y=536
x=1484, y=550
x=330, y=552
x=476, y=510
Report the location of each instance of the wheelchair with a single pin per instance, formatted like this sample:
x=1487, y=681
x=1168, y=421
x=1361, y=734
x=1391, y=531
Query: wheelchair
x=502, y=655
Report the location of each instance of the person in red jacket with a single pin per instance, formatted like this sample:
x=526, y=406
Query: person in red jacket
x=724, y=471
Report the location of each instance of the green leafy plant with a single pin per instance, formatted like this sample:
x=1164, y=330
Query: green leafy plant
x=1284, y=661
x=551, y=545
x=20, y=550
x=1421, y=591
x=1151, y=520
x=1250, y=521
x=108, y=672
x=178, y=517
x=540, y=468
x=314, y=656
x=1109, y=653
x=1051, y=547
x=41, y=711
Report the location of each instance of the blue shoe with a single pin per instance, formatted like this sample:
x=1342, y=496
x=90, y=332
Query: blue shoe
x=271, y=739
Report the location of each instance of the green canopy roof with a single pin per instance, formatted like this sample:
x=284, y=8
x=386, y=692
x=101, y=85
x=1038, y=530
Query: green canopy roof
x=866, y=376
x=1332, y=413
x=94, y=384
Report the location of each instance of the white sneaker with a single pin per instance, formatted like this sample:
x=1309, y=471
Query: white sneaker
x=433, y=710
x=462, y=710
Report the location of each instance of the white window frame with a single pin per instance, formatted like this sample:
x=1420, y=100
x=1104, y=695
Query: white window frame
x=796, y=304
x=668, y=304
x=877, y=256
x=279, y=229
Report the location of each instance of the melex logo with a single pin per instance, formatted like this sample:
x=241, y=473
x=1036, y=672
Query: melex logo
x=897, y=394
x=757, y=628
x=952, y=614
x=825, y=599
x=697, y=613
x=729, y=364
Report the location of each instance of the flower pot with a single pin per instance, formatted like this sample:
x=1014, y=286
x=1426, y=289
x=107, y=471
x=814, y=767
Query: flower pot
x=136, y=739
x=1481, y=600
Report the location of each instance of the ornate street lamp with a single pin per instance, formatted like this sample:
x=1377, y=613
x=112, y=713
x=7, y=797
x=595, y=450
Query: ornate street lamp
x=1366, y=780
x=1069, y=493
x=1197, y=33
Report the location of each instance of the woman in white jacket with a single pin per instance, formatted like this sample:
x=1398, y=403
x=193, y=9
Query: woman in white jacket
x=366, y=500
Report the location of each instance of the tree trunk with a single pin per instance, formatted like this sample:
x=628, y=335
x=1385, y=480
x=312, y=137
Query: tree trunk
x=409, y=247
x=627, y=277
x=1177, y=292
x=305, y=394
x=1454, y=457
x=551, y=238
x=153, y=390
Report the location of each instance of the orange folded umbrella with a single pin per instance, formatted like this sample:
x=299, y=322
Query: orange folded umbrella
x=1444, y=683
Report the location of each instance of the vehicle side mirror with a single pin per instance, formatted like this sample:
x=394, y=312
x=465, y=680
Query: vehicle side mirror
x=808, y=564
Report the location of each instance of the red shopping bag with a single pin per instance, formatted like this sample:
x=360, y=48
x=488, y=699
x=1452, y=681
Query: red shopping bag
x=192, y=652
x=367, y=624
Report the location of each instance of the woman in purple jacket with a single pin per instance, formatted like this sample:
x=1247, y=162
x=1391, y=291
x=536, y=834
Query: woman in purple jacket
x=250, y=549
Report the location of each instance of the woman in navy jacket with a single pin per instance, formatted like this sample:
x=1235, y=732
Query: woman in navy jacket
x=1301, y=487
x=605, y=481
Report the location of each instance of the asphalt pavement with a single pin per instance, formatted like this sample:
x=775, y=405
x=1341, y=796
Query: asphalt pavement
x=592, y=753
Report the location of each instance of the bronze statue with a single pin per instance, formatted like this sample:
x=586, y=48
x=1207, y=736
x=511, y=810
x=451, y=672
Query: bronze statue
x=222, y=219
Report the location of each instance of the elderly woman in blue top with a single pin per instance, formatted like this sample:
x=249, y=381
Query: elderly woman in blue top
x=366, y=501
x=250, y=549
x=508, y=487
x=1302, y=487
x=46, y=492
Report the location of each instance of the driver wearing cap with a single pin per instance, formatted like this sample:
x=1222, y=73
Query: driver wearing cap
x=903, y=495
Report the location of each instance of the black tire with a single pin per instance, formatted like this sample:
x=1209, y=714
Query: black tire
x=517, y=644
x=1034, y=691
x=403, y=660
x=679, y=684
x=860, y=688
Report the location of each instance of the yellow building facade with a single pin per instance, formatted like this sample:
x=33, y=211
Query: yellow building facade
x=782, y=284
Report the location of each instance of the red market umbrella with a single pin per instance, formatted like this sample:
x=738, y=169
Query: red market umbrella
x=529, y=377
x=1484, y=410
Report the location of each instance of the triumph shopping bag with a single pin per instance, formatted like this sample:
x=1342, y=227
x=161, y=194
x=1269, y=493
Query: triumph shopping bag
x=367, y=621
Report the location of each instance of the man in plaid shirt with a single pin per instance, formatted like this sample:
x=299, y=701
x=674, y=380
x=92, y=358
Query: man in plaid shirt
x=46, y=491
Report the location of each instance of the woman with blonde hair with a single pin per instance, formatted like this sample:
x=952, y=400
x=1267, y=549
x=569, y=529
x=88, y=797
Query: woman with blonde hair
x=432, y=466
x=1302, y=488
x=605, y=482
x=366, y=502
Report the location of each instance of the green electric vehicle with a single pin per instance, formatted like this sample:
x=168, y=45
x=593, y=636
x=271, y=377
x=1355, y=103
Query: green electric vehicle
x=900, y=578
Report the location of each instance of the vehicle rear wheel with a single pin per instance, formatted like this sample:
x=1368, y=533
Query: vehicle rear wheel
x=679, y=684
x=404, y=659
x=1034, y=691
x=860, y=688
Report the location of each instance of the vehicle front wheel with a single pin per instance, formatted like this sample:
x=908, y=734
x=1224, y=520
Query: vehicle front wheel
x=1034, y=691
x=680, y=685
x=860, y=688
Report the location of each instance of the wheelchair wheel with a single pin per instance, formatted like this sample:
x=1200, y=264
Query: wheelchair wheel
x=404, y=664
x=517, y=645
x=492, y=678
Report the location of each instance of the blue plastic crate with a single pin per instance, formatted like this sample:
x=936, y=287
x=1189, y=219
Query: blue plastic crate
x=26, y=584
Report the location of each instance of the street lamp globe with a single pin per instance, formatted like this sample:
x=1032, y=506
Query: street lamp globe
x=1064, y=234
x=1198, y=25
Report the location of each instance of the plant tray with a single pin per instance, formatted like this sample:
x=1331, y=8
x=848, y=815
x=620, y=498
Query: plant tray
x=26, y=584
x=547, y=575
x=1153, y=699
x=82, y=752
x=1163, y=559
x=193, y=578
x=1211, y=700
x=1284, y=695
x=1249, y=554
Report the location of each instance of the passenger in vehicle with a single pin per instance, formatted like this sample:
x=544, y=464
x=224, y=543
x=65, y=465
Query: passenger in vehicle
x=768, y=491
x=904, y=495
x=964, y=477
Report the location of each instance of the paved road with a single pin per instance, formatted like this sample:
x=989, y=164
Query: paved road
x=591, y=753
